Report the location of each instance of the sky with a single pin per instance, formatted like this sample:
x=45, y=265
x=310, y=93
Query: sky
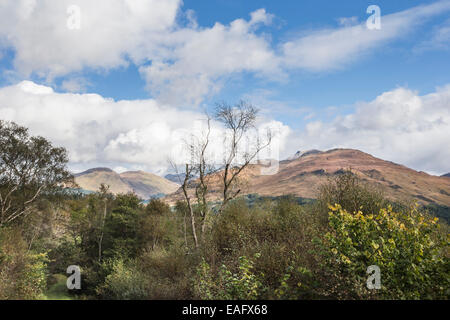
x=120, y=82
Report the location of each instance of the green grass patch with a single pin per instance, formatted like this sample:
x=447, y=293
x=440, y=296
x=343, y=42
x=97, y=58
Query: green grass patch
x=58, y=289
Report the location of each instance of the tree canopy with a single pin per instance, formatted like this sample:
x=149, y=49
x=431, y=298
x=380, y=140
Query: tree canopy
x=30, y=168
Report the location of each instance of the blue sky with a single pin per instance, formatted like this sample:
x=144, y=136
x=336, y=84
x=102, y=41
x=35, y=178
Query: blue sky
x=385, y=68
x=306, y=64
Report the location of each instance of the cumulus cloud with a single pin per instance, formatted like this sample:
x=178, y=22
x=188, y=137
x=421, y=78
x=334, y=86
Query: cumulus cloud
x=77, y=84
x=140, y=134
x=184, y=63
x=201, y=56
x=181, y=61
x=399, y=125
x=110, y=30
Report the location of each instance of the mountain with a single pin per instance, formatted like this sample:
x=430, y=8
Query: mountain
x=175, y=177
x=300, y=154
x=92, y=178
x=145, y=185
x=447, y=175
x=303, y=175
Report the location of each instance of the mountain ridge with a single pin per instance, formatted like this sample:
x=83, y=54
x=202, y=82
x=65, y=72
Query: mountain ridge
x=144, y=184
x=303, y=176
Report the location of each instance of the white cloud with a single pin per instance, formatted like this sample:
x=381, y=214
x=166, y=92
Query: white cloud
x=110, y=30
x=333, y=48
x=348, y=21
x=181, y=61
x=200, y=57
x=398, y=125
x=439, y=39
x=140, y=134
x=77, y=84
x=186, y=63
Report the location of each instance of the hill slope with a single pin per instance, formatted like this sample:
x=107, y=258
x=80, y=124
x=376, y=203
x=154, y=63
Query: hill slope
x=144, y=184
x=303, y=175
x=93, y=178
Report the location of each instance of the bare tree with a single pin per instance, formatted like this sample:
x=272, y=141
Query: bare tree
x=204, y=169
x=239, y=120
x=197, y=173
x=104, y=195
x=189, y=169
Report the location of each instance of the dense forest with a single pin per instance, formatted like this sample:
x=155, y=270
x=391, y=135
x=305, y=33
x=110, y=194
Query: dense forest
x=266, y=248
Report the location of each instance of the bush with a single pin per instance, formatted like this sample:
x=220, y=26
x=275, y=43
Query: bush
x=169, y=272
x=226, y=285
x=351, y=193
x=405, y=246
x=157, y=225
x=125, y=282
x=280, y=232
x=23, y=273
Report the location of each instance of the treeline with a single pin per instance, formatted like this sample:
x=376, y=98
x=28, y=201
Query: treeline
x=271, y=249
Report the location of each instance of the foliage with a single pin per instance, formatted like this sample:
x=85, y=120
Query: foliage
x=58, y=288
x=122, y=227
x=124, y=282
x=30, y=168
x=262, y=248
x=241, y=285
x=23, y=273
x=404, y=245
x=291, y=287
x=442, y=212
x=157, y=225
x=351, y=193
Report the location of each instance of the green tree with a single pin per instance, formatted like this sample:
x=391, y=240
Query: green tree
x=122, y=227
x=157, y=225
x=23, y=273
x=349, y=191
x=30, y=169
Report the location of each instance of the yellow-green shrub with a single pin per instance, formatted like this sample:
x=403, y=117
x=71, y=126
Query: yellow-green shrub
x=404, y=245
x=244, y=284
x=23, y=273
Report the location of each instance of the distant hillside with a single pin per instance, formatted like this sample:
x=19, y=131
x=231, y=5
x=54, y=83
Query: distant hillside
x=175, y=177
x=145, y=185
x=93, y=178
x=305, y=172
x=447, y=175
x=300, y=154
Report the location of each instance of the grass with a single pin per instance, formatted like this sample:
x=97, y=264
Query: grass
x=58, y=290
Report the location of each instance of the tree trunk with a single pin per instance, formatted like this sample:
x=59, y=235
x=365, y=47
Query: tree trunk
x=101, y=234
